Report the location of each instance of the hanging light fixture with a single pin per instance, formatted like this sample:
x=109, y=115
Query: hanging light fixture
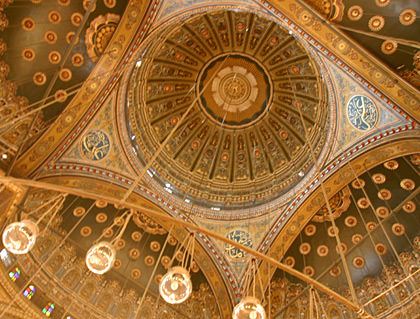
x=100, y=258
x=175, y=286
x=20, y=237
x=250, y=307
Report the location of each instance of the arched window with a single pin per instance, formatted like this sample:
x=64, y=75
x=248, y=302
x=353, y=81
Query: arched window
x=14, y=274
x=48, y=309
x=29, y=292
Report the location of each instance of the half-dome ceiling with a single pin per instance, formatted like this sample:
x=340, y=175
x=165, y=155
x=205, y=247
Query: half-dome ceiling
x=243, y=140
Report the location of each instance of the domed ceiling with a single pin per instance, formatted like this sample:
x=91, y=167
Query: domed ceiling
x=241, y=79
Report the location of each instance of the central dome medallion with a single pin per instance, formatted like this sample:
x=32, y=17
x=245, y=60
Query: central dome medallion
x=237, y=80
x=234, y=90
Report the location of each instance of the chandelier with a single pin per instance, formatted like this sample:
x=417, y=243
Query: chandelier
x=249, y=307
x=175, y=286
x=20, y=237
x=100, y=258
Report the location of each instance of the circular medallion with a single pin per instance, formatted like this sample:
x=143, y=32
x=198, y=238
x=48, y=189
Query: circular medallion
x=117, y=264
x=79, y=211
x=309, y=271
x=235, y=90
x=65, y=75
x=238, y=236
x=172, y=241
x=54, y=57
x=356, y=238
x=310, y=230
x=86, y=5
x=155, y=246
x=359, y=262
x=108, y=232
x=363, y=203
x=134, y=254
x=28, y=24
x=120, y=244
x=289, y=261
x=165, y=260
x=110, y=3
x=384, y=194
x=50, y=37
x=376, y=23
x=305, y=248
x=355, y=13
x=194, y=267
x=382, y=212
x=398, y=229
x=101, y=218
x=63, y=3
x=358, y=183
x=382, y=3
x=136, y=236
x=391, y=165
x=408, y=16
x=378, y=178
x=350, y=221
x=85, y=231
x=69, y=37
x=149, y=261
x=28, y=54
x=76, y=18
x=39, y=78
x=343, y=248
x=389, y=47
x=157, y=279
x=135, y=273
x=362, y=112
x=415, y=159
x=335, y=271
x=331, y=231
x=77, y=59
x=407, y=184
x=409, y=207
x=95, y=145
x=54, y=17
x=60, y=96
x=371, y=226
x=322, y=250
x=101, y=203
x=380, y=249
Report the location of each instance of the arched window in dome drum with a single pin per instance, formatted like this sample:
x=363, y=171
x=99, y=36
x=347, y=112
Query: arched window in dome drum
x=14, y=274
x=29, y=292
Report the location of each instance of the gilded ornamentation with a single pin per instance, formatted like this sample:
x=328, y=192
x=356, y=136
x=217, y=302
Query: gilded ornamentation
x=409, y=207
x=95, y=145
x=339, y=204
x=242, y=237
x=99, y=34
x=355, y=13
x=147, y=224
x=378, y=178
x=408, y=16
x=389, y=47
x=50, y=37
x=382, y=3
x=362, y=112
x=322, y=250
x=407, y=184
x=376, y=23
x=54, y=17
x=382, y=212
x=28, y=54
x=359, y=262
x=39, y=78
x=350, y=221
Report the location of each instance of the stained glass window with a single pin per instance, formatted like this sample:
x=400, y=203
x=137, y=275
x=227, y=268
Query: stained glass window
x=14, y=274
x=48, y=309
x=5, y=257
x=29, y=292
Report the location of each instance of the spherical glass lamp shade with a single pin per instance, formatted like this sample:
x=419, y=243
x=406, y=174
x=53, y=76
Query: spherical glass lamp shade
x=101, y=257
x=249, y=308
x=20, y=237
x=175, y=287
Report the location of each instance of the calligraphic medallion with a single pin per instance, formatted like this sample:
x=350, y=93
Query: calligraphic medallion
x=362, y=112
x=95, y=145
x=241, y=237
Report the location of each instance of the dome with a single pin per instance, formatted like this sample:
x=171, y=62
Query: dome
x=242, y=142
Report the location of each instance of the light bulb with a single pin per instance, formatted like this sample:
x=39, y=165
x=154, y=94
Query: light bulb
x=175, y=287
x=20, y=237
x=101, y=257
x=249, y=308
